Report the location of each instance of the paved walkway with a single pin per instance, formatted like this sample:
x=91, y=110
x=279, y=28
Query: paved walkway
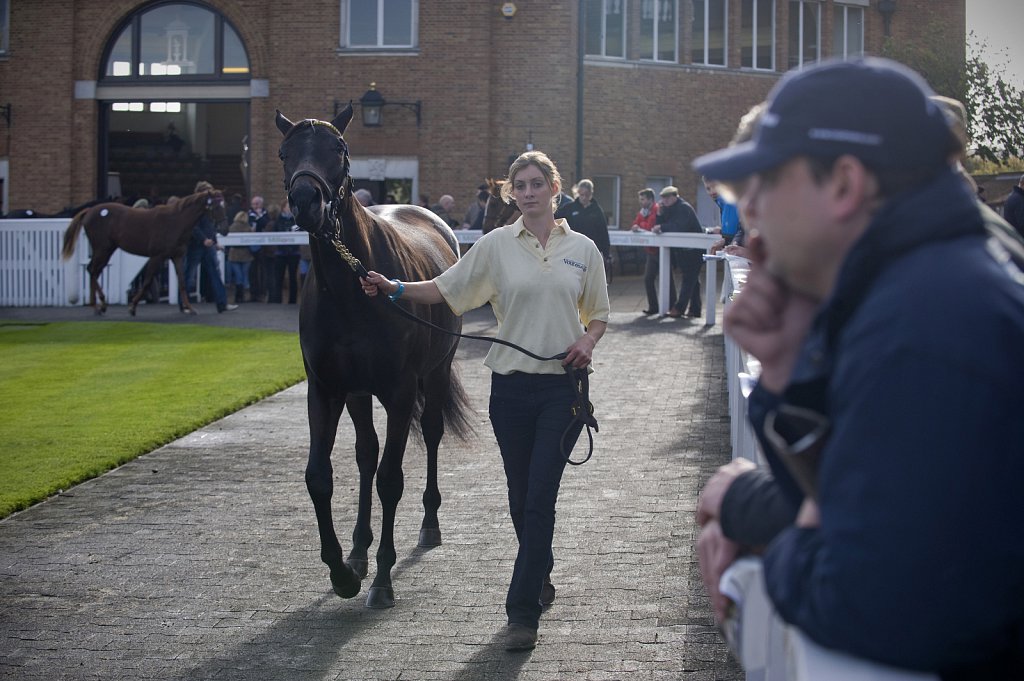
x=201, y=559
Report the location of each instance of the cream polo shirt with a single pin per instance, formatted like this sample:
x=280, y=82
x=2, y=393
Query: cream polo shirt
x=541, y=297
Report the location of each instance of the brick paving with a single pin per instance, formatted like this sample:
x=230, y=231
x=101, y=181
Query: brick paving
x=201, y=560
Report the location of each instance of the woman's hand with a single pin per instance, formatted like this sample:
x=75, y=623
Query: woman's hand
x=580, y=353
x=373, y=283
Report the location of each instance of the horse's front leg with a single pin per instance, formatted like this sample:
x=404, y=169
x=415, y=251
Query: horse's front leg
x=324, y=412
x=390, y=485
x=183, y=301
x=360, y=408
x=152, y=265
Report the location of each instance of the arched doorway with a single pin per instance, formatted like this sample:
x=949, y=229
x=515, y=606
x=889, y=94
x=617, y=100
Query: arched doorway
x=173, y=96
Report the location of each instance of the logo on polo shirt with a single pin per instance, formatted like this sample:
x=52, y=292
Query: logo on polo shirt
x=572, y=263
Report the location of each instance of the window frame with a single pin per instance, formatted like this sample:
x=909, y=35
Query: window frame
x=704, y=31
x=344, y=32
x=754, y=45
x=800, y=63
x=845, y=52
x=624, y=12
x=133, y=24
x=612, y=213
x=658, y=4
x=5, y=28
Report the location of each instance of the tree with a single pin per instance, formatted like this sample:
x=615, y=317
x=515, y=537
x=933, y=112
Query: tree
x=995, y=108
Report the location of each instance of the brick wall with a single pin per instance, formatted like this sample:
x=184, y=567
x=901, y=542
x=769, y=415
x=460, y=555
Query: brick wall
x=488, y=86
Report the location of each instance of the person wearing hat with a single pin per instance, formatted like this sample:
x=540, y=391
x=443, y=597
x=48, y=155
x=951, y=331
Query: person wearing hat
x=676, y=215
x=886, y=308
x=202, y=247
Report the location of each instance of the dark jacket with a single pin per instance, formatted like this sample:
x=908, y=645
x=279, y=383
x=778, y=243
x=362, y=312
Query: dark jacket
x=589, y=221
x=285, y=223
x=679, y=217
x=1013, y=209
x=916, y=363
x=205, y=229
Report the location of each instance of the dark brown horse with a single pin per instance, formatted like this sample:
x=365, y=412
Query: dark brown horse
x=497, y=213
x=355, y=348
x=160, y=233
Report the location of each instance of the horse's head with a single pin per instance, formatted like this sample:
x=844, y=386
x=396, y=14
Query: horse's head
x=316, y=169
x=497, y=213
x=215, y=205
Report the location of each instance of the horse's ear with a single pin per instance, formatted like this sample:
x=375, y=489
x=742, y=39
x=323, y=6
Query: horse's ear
x=342, y=120
x=283, y=124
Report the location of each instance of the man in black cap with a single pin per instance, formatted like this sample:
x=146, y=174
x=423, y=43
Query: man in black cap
x=886, y=308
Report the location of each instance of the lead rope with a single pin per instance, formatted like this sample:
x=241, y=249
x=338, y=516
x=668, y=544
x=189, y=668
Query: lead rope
x=582, y=409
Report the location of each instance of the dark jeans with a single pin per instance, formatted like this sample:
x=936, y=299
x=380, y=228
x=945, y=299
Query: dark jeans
x=284, y=264
x=529, y=414
x=208, y=256
x=651, y=268
x=689, y=261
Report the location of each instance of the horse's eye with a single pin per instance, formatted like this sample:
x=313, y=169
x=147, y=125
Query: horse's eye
x=280, y=155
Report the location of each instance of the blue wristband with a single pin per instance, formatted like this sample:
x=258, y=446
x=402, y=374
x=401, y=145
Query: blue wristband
x=397, y=294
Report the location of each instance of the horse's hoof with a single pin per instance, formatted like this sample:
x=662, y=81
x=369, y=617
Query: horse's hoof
x=131, y=311
x=345, y=586
x=380, y=597
x=359, y=566
x=188, y=310
x=429, y=537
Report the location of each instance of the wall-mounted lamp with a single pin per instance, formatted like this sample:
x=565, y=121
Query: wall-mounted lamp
x=372, y=104
x=5, y=111
x=887, y=8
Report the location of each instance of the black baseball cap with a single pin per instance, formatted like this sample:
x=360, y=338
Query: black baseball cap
x=874, y=109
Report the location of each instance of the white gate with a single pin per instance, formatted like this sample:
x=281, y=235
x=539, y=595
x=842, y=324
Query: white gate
x=33, y=274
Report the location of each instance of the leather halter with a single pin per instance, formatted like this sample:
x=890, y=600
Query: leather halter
x=334, y=196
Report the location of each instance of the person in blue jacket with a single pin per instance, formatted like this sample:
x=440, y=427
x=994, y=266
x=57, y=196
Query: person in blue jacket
x=886, y=307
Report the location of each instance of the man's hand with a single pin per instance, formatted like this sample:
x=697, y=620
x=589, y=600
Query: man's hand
x=709, y=503
x=770, y=322
x=808, y=517
x=715, y=553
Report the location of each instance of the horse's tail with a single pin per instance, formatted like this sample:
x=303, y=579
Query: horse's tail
x=71, y=234
x=457, y=408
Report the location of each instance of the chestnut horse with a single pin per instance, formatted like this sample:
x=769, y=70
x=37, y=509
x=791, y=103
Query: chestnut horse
x=497, y=213
x=355, y=348
x=160, y=233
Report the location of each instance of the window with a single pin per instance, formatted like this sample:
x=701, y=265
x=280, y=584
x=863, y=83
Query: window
x=605, y=24
x=658, y=30
x=606, y=193
x=657, y=183
x=804, y=33
x=757, y=34
x=178, y=40
x=5, y=23
x=709, y=32
x=379, y=24
x=848, y=32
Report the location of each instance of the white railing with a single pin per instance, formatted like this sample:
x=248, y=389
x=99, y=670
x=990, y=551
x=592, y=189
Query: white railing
x=768, y=648
x=32, y=273
x=664, y=243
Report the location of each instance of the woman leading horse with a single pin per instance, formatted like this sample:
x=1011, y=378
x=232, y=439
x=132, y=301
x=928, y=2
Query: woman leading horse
x=355, y=348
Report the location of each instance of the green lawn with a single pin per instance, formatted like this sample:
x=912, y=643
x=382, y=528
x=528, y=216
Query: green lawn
x=79, y=398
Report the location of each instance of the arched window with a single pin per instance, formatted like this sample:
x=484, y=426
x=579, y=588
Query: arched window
x=175, y=41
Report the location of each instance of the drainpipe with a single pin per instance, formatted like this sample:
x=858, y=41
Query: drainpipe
x=580, y=49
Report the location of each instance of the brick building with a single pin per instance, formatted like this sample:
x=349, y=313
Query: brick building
x=151, y=96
